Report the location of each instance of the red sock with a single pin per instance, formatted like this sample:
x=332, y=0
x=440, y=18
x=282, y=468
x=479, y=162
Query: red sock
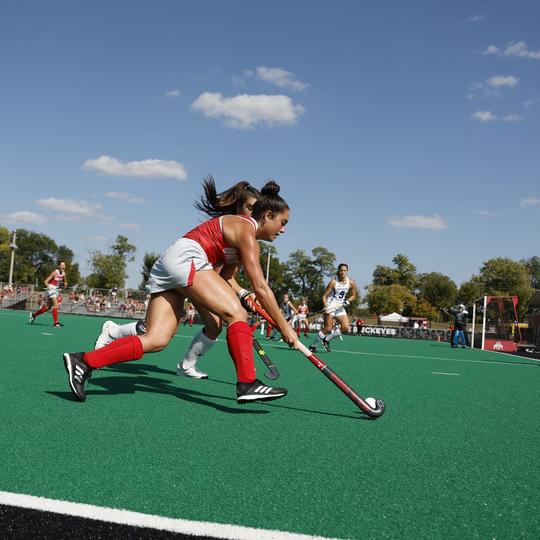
x=55, y=315
x=121, y=350
x=268, y=330
x=240, y=344
x=41, y=310
x=298, y=331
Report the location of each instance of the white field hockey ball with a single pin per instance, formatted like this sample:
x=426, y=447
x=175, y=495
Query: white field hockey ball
x=371, y=402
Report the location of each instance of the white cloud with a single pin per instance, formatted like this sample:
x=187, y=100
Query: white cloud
x=281, y=78
x=512, y=118
x=484, y=116
x=123, y=196
x=499, y=80
x=491, y=49
x=485, y=213
x=129, y=226
x=24, y=217
x=529, y=201
x=245, y=111
x=528, y=103
x=70, y=206
x=148, y=168
x=475, y=18
x=518, y=49
x=434, y=222
x=173, y=93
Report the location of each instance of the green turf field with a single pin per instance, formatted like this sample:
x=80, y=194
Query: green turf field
x=454, y=455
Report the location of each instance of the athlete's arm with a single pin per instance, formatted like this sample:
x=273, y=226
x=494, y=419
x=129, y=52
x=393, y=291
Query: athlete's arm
x=327, y=291
x=51, y=275
x=241, y=235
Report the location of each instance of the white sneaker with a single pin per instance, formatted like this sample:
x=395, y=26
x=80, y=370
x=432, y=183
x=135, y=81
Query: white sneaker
x=105, y=338
x=192, y=372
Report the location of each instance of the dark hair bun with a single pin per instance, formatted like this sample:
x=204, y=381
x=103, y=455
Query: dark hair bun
x=270, y=189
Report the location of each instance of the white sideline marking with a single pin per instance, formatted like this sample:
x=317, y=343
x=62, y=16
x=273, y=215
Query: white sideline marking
x=442, y=373
x=136, y=519
x=413, y=356
x=46, y=334
x=359, y=353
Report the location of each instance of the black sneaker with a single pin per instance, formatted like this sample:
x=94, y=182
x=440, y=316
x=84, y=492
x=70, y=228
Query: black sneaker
x=257, y=391
x=56, y=325
x=313, y=348
x=78, y=373
x=325, y=344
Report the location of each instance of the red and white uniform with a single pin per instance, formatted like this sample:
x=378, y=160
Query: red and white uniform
x=302, y=312
x=55, y=283
x=202, y=248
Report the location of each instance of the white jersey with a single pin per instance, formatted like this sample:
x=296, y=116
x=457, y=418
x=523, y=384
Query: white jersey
x=338, y=294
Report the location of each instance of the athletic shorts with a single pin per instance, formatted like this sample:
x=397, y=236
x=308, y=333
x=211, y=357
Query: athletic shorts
x=51, y=292
x=177, y=266
x=338, y=312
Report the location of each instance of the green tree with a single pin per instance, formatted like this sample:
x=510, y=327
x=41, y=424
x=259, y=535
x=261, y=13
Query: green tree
x=4, y=253
x=148, y=261
x=384, y=299
x=503, y=276
x=470, y=290
x=37, y=255
x=533, y=267
x=123, y=248
x=109, y=270
x=306, y=275
x=437, y=289
x=403, y=273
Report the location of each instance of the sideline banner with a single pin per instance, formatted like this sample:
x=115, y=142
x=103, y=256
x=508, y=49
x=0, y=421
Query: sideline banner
x=404, y=332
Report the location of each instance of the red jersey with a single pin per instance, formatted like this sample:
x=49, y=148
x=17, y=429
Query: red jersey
x=58, y=278
x=303, y=309
x=209, y=235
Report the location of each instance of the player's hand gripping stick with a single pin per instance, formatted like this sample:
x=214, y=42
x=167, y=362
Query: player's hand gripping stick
x=373, y=408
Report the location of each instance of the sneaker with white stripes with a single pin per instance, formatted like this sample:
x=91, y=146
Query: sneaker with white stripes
x=78, y=372
x=257, y=391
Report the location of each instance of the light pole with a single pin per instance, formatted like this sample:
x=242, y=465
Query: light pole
x=13, y=247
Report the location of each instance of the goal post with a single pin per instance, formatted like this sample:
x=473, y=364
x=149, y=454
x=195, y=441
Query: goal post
x=495, y=324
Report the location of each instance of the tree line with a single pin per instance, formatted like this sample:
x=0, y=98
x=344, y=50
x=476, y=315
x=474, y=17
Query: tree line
x=398, y=287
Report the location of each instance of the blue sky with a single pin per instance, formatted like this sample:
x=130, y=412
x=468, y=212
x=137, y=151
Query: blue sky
x=392, y=127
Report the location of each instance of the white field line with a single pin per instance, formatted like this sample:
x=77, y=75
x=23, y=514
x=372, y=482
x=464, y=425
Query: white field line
x=46, y=334
x=443, y=373
x=359, y=353
x=136, y=519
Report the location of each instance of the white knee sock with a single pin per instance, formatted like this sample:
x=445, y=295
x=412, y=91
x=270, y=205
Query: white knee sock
x=318, y=338
x=334, y=334
x=124, y=330
x=200, y=344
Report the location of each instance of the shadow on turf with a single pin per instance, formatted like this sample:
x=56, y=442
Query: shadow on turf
x=138, y=381
x=280, y=406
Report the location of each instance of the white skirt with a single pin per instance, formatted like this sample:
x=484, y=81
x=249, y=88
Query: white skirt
x=177, y=266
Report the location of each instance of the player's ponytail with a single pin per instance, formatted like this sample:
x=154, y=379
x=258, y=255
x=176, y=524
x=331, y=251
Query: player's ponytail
x=227, y=202
x=269, y=200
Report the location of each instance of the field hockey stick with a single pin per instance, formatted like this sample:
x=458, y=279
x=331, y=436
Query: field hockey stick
x=273, y=373
x=373, y=408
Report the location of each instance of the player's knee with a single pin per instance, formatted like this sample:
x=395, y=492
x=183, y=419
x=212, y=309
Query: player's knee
x=155, y=343
x=235, y=312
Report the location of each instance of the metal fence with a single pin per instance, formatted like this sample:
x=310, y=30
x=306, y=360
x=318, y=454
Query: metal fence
x=81, y=301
